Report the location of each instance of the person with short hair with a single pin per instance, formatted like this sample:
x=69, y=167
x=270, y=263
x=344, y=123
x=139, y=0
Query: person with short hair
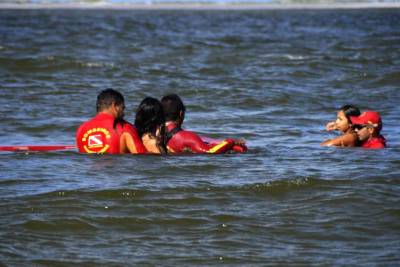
x=150, y=124
x=368, y=127
x=343, y=124
x=178, y=140
x=108, y=132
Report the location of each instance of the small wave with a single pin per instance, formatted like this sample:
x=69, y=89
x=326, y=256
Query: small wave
x=19, y=182
x=50, y=63
x=60, y=225
x=284, y=186
x=295, y=57
x=95, y=64
x=388, y=79
x=186, y=194
x=180, y=194
x=392, y=212
x=231, y=39
x=286, y=56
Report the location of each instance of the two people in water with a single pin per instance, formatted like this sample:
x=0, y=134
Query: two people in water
x=358, y=129
x=157, y=129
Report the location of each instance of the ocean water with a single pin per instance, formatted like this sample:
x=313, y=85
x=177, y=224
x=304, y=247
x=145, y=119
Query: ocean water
x=218, y=2
x=273, y=78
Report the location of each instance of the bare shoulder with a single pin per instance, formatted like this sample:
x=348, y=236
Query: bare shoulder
x=348, y=140
x=150, y=143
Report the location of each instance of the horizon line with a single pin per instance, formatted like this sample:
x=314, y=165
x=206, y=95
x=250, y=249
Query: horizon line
x=197, y=6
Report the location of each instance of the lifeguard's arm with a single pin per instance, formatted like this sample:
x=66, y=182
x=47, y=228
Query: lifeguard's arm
x=131, y=143
x=343, y=140
x=195, y=144
x=239, y=146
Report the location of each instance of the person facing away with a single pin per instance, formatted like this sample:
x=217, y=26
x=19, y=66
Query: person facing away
x=108, y=132
x=368, y=127
x=344, y=125
x=178, y=140
x=150, y=122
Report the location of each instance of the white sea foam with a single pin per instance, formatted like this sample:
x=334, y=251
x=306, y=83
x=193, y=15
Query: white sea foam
x=95, y=64
x=295, y=57
x=286, y=56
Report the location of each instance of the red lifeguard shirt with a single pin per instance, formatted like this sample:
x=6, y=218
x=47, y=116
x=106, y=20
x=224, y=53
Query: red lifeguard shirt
x=375, y=143
x=99, y=136
x=185, y=141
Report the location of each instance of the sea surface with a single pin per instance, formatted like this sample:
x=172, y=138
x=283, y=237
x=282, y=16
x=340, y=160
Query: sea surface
x=151, y=2
x=273, y=78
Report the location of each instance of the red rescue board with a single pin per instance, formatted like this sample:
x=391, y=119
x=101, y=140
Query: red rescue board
x=37, y=148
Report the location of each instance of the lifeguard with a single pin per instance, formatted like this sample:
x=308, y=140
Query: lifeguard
x=178, y=140
x=108, y=132
x=368, y=126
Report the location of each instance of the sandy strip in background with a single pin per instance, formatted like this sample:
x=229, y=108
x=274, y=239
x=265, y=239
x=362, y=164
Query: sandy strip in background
x=201, y=6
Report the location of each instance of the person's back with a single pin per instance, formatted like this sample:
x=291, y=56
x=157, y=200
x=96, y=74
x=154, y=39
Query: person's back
x=178, y=140
x=107, y=132
x=150, y=122
x=189, y=142
x=98, y=135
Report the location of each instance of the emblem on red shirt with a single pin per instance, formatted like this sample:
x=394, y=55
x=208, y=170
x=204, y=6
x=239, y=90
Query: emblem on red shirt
x=95, y=140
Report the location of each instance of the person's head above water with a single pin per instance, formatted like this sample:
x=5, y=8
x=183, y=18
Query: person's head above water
x=368, y=124
x=149, y=116
x=343, y=122
x=112, y=102
x=368, y=118
x=350, y=110
x=174, y=109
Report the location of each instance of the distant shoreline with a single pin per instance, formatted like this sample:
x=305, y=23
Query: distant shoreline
x=201, y=6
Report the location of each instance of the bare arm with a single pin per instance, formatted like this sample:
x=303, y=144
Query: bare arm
x=131, y=143
x=348, y=140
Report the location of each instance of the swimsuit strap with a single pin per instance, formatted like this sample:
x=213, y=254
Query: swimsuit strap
x=170, y=134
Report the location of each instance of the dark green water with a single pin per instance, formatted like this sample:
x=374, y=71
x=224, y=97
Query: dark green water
x=273, y=78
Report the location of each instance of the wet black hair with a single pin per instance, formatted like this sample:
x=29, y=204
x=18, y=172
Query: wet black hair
x=350, y=110
x=172, y=105
x=150, y=116
x=107, y=97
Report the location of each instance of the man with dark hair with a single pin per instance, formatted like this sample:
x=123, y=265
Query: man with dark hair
x=108, y=132
x=178, y=140
x=368, y=126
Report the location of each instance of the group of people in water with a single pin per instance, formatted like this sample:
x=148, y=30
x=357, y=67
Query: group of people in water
x=358, y=129
x=158, y=129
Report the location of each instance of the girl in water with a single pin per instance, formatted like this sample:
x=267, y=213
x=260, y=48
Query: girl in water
x=150, y=122
x=343, y=124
